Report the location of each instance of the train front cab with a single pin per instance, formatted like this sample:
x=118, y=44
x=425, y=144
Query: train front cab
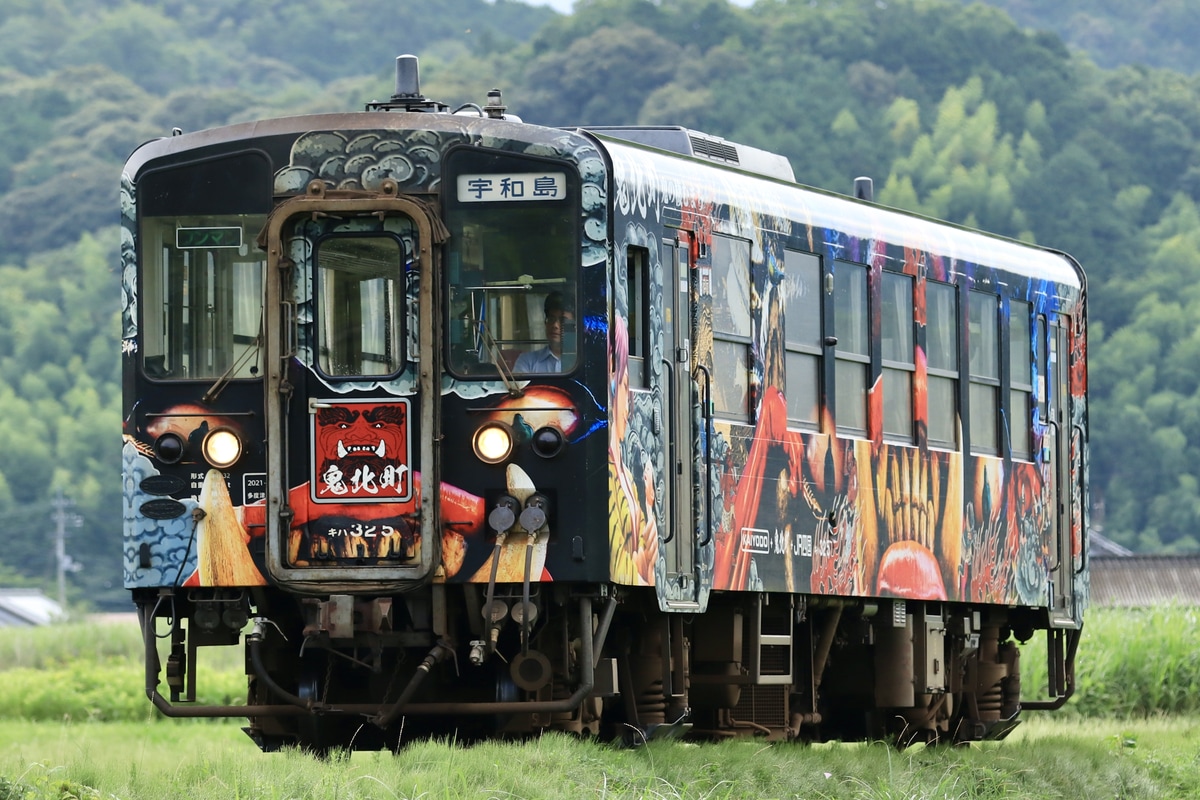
x=398, y=475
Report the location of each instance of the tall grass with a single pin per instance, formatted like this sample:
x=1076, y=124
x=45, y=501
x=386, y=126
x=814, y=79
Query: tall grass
x=1129, y=734
x=1131, y=663
x=54, y=645
x=1141, y=663
x=1145, y=760
x=93, y=671
x=100, y=640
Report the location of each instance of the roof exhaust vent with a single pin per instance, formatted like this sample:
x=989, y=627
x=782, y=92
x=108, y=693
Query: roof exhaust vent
x=408, y=95
x=408, y=77
x=864, y=189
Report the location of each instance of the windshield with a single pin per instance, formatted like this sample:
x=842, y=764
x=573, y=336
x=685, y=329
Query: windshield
x=202, y=296
x=512, y=266
x=360, y=304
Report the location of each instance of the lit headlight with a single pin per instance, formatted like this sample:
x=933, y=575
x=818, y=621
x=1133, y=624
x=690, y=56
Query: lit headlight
x=222, y=448
x=493, y=442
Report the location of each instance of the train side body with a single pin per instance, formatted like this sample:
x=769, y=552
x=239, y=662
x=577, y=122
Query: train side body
x=797, y=500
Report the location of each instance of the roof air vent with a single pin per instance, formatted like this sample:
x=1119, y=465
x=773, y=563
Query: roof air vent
x=675, y=139
x=716, y=150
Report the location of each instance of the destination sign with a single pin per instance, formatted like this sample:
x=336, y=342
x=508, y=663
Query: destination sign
x=207, y=238
x=512, y=187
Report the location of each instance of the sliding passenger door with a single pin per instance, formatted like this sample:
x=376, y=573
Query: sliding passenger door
x=685, y=510
x=1058, y=446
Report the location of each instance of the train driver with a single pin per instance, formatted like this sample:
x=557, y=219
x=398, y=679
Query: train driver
x=549, y=358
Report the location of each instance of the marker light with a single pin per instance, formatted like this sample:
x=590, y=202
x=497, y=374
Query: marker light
x=493, y=442
x=169, y=448
x=547, y=442
x=222, y=448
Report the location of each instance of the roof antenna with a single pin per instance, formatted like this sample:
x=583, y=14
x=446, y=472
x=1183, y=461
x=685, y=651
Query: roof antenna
x=495, y=107
x=408, y=95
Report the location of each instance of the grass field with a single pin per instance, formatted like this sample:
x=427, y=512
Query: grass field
x=1043, y=759
x=74, y=723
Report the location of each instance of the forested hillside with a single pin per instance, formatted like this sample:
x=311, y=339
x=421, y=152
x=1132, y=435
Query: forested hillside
x=1115, y=32
x=955, y=109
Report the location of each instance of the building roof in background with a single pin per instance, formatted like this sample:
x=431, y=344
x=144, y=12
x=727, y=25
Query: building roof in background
x=27, y=607
x=1140, y=581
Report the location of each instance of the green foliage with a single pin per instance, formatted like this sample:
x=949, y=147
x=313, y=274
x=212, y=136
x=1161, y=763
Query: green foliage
x=47, y=646
x=80, y=692
x=89, y=671
x=1159, y=34
x=630, y=56
x=961, y=170
x=1131, y=663
x=60, y=407
x=1041, y=760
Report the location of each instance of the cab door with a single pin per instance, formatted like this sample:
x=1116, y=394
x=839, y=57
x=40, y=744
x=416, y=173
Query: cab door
x=353, y=377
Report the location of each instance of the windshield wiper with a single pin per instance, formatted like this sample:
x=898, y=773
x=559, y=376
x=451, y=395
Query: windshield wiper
x=223, y=379
x=497, y=357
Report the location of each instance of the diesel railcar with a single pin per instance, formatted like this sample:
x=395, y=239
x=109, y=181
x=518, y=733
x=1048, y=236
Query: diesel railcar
x=463, y=425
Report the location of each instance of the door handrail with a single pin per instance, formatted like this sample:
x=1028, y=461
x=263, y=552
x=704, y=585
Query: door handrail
x=673, y=486
x=706, y=417
x=1056, y=432
x=1083, y=537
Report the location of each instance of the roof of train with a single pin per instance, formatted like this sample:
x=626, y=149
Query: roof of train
x=766, y=190
x=348, y=121
x=783, y=200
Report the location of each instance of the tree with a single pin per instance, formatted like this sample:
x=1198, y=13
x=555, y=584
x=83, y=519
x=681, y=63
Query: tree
x=961, y=170
x=630, y=57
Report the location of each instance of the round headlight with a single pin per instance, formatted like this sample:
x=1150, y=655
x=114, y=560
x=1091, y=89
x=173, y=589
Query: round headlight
x=493, y=442
x=222, y=448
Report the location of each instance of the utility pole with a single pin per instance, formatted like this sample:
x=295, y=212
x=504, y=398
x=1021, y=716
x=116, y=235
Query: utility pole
x=62, y=561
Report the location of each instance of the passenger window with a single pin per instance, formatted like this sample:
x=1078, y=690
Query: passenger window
x=202, y=276
x=731, y=327
x=202, y=297
x=637, y=272
x=803, y=337
x=985, y=371
x=1020, y=395
x=360, y=298
x=899, y=359
x=853, y=356
x=1039, y=345
x=941, y=345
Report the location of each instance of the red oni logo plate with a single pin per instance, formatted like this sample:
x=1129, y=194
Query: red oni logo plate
x=361, y=452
